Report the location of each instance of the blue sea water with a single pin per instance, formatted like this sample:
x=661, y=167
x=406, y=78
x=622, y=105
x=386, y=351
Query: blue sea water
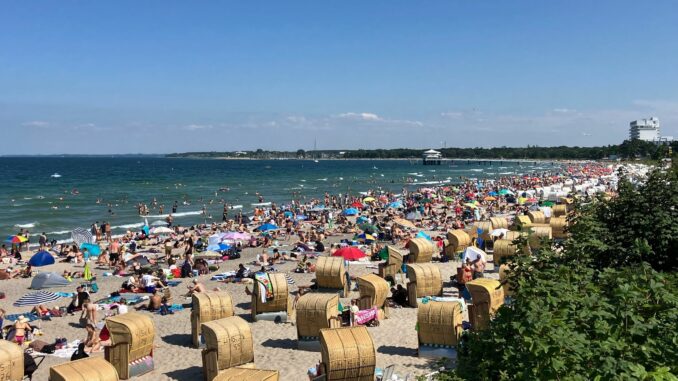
x=30, y=197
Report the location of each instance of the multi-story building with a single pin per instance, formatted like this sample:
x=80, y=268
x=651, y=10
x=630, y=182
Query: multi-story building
x=645, y=129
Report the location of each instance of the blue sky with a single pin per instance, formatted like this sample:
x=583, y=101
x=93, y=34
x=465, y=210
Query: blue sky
x=169, y=76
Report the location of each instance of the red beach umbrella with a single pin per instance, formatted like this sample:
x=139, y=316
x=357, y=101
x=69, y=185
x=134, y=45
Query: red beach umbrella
x=349, y=253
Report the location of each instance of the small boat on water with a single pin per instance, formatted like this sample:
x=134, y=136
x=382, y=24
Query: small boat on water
x=55, y=175
x=261, y=204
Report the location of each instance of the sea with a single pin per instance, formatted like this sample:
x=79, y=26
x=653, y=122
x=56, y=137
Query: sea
x=57, y=194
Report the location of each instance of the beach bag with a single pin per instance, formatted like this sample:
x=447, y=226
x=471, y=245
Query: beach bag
x=49, y=349
x=94, y=287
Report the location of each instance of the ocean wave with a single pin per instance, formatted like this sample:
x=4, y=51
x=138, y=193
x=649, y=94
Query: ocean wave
x=182, y=214
x=60, y=232
x=128, y=226
x=26, y=226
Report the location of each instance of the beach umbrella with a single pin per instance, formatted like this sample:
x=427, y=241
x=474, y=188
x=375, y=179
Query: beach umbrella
x=350, y=212
x=548, y=203
x=236, y=236
x=368, y=228
x=361, y=219
x=161, y=230
x=369, y=199
x=349, y=253
x=425, y=200
x=41, y=258
x=493, y=193
x=300, y=217
x=266, y=227
x=159, y=223
x=504, y=192
x=14, y=239
x=404, y=223
x=490, y=198
x=413, y=216
x=383, y=198
x=288, y=214
x=357, y=204
x=470, y=205
x=81, y=235
x=366, y=238
x=396, y=205
x=448, y=199
x=87, y=272
x=36, y=298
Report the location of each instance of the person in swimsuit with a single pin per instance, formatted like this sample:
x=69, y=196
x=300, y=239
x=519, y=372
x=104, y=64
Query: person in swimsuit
x=20, y=327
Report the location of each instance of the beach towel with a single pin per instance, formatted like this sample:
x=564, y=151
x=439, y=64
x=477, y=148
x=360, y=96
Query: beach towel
x=365, y=316
x=289, y=278
x=29, y=315
x=265, y=286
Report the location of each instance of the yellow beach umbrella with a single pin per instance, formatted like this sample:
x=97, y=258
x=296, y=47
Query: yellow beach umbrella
x=369, y=199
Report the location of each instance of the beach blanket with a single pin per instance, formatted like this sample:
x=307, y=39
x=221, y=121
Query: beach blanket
x=461, y=301
x=365, y=316
x=222, y=276
x=173, y=283
x=173, y=308
x=65, y=352
x=265, y=286
x=28, y=315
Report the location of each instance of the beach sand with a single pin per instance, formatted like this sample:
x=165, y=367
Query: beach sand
x=275, y=344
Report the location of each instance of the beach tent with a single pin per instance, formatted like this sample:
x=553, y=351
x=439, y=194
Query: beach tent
x=41, y=258
x=161, y=230
x=48, y=280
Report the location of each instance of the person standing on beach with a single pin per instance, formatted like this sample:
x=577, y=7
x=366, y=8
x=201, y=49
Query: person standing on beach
x=108, y=231
x=42, y=240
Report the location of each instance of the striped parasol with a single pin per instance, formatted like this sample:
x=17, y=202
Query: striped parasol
x=36, y=298
x=81, y=235
x=289, y=279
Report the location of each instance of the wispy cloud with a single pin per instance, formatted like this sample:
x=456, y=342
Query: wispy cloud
x=36, y=123
x=366, y=116
x=196, y=127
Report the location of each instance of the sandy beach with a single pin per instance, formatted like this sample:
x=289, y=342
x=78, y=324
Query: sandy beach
x=275, y=344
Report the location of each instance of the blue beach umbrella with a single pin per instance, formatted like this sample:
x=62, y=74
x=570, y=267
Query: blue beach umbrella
x=493, y=193
x=396, y=205
x=266, y=227
x=350, y=212
x=288, y=214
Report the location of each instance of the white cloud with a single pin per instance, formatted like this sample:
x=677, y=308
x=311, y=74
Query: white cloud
x=563, y=110
x=196, y=127
x=36, y=123
x=366, y=116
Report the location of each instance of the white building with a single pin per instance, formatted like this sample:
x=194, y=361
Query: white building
x=645, y=129
x=432, y=157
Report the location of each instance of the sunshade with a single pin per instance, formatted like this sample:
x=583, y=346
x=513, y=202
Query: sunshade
x=357, y=204
x=396, y=205
x=161, y=230
x=369, y=199
x=449, y=199
x=404, y=223
x=36, y=298
x=81, y=235
x=349, y=253
x=470, y=205
x=493, y=193
x=41, y=258
x=266, y=227
x=236, y=236
x=425, y=200
x=473, y=253
x=548, y=203
x=368, y=228
x=16, y=239
x=504, y=192
x=48, y=280
x=366, y=237
x=350, y=212
x=490, y=198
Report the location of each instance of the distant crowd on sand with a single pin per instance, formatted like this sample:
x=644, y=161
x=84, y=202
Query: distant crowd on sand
x=148, y=261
